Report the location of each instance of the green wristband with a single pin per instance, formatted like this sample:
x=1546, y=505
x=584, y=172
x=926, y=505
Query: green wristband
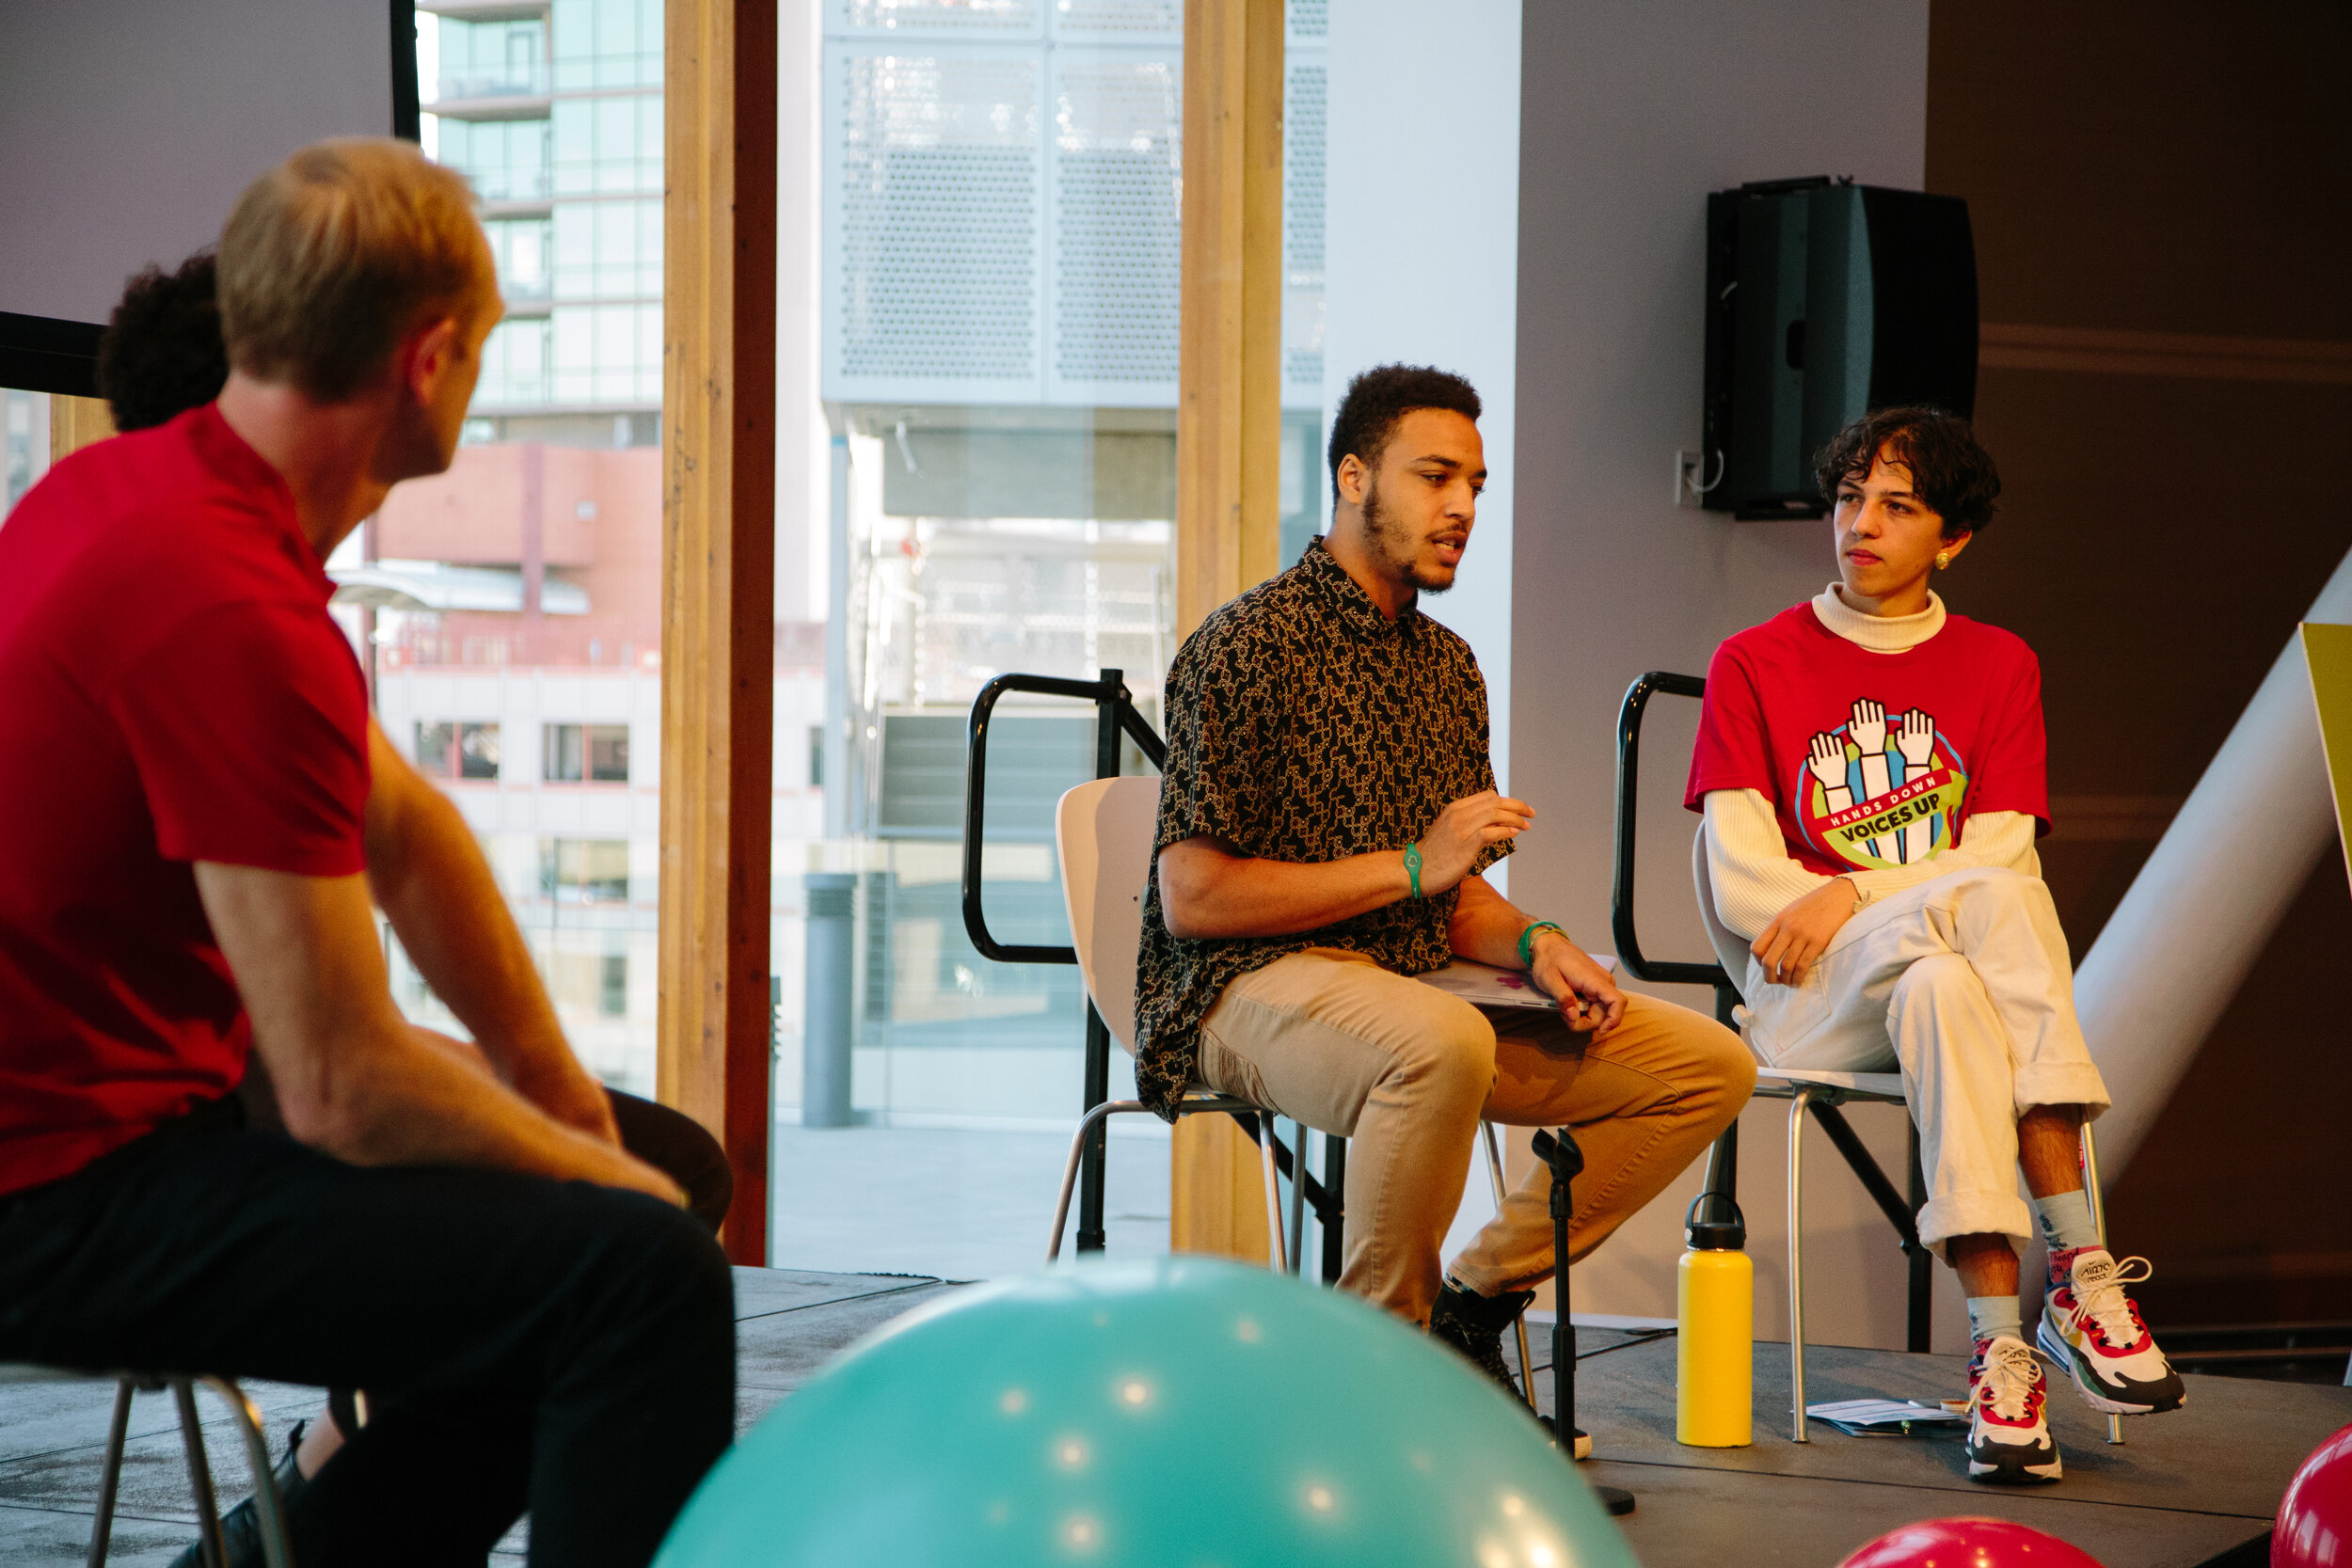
x=1412, y=866
x=1527, y=941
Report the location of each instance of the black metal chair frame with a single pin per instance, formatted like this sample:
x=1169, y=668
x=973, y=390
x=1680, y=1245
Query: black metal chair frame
x=1116, y=716
x=1723, y=1163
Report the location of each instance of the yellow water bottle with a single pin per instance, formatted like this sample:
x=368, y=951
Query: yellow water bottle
x=1715, y=1309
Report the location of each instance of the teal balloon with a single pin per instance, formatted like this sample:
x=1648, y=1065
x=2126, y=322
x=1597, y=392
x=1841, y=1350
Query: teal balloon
x=1182, y=1413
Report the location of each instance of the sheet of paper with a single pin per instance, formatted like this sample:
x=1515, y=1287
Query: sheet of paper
x=1484, y=986
x=1883, y=1413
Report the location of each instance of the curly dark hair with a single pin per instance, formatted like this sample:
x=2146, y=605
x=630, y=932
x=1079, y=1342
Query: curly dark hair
x=162, y=353
x=1949, y=469
x=1379, y=396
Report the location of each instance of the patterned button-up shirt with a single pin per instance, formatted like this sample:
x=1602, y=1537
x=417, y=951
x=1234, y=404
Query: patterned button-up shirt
x=1304, y=725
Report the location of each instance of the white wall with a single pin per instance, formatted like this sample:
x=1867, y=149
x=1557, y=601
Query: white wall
x=1421, y=223
x=1631, y=113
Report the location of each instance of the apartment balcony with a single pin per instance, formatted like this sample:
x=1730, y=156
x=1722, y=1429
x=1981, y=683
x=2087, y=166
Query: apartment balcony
x=510, y=92
x=486, y=10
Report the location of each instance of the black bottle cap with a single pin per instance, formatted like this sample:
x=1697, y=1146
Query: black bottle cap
x=1715, y=1224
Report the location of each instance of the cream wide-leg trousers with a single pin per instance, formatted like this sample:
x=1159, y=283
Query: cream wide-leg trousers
x=1407, y=1071
x=1964, y=985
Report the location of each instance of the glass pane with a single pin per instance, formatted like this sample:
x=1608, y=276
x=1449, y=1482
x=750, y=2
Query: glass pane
x=982, y=483
x=515, y=600
x=24, y=443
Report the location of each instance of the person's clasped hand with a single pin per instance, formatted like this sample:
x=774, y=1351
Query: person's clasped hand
x=1798, y=935
x=1589, y=1000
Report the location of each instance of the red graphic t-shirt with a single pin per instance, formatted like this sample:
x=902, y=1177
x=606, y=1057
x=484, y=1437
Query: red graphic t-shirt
x=1873, y=760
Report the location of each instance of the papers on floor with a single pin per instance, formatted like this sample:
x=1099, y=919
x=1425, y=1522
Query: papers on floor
x=1484, y=986
x=1886, y=1417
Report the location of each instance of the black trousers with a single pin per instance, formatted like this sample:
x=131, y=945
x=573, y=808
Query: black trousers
x=526, y=1343
x=677, y=1145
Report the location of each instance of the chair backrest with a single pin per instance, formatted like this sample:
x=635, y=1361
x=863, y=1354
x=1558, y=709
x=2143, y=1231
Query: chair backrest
x=1103, y=830
x=1729, y=950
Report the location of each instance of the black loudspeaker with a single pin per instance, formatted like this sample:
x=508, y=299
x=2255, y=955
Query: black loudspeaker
x=1826, y=300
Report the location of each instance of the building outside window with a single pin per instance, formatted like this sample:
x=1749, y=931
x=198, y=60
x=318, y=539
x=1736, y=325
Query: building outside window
x=976, y=476
x=590, y=753
x=446, y=750
x=584, y=870
x=521, y=589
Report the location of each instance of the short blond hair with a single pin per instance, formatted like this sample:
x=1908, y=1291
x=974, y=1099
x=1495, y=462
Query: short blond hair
x=330, y=257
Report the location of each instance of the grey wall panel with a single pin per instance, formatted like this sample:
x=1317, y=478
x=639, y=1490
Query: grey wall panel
x=128, y=127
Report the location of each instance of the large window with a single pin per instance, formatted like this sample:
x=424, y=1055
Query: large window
x=513, y=605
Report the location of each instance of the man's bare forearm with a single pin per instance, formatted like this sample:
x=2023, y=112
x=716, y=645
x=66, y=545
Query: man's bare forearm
x=1486, y=925
x=1209, y=891
x=429, y=877
x=351, y=1076
x=413, y=1097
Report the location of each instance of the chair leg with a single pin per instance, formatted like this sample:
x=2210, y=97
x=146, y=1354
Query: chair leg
x=214, y=1552
x=101, y=1528
x=1086, y=1124
x=1494, y=1177
x=1298, y=1197
x=2099, y=1219
x=269, y=1509
x=1797, y=1105
x=1275, y=1256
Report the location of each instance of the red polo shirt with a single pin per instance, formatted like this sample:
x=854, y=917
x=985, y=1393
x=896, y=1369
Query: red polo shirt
x=171, y=689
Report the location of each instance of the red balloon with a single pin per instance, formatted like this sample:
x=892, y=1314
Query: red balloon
x=2315, y=1525
x=1968, y=1542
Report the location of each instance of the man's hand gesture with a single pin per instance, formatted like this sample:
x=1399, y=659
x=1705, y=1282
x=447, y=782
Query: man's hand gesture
x=1588, y=1000
x=1450, y=849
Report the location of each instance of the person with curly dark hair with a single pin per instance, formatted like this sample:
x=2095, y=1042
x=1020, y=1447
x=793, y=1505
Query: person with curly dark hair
x=162, y=353
x=1871, y=770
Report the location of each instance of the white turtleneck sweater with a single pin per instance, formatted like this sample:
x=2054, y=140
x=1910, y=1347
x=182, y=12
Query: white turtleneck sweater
x=1753, y=874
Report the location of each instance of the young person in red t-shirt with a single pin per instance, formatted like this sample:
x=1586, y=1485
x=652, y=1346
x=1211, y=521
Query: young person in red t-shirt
x=1871, y=770
x=195, y=816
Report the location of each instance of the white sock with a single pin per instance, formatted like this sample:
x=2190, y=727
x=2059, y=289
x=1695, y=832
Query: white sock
x=1990, y=1317
x=2066, y=1220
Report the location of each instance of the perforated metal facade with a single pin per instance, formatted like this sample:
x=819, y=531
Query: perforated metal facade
x=1002, y=200
x=935, y=217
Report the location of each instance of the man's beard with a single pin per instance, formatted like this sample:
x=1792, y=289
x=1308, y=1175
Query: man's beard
x=1394, y=549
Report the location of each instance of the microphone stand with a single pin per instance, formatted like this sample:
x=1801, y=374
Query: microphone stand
x=1559, y=1152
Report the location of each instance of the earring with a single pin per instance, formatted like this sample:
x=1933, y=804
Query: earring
x=1943, y=559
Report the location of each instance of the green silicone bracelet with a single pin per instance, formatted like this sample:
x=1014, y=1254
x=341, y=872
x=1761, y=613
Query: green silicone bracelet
x=1412, y=866
x=1527, y=940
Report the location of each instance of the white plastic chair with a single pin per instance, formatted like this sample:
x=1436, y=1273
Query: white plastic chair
x=269, y=1509
x=1102, y=830
x=1807, y=1087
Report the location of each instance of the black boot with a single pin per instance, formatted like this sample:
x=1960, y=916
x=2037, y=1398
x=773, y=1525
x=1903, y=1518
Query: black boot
x=240, y=1530
x=1475, y=1326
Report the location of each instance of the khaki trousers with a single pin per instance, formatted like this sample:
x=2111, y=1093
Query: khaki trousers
x=1329, y=1037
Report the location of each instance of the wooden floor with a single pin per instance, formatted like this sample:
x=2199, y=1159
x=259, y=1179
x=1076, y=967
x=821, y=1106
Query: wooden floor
x=2194, y=1489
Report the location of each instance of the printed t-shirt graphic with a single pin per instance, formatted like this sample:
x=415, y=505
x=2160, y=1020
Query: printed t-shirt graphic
x=1871, y=759
x=1880, y=790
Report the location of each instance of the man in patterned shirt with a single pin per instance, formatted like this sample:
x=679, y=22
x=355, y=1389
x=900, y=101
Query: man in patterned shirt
x=1328, y=809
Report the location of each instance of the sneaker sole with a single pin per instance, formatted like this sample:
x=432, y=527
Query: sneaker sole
x=2054, y=1345
x=2015, y=1472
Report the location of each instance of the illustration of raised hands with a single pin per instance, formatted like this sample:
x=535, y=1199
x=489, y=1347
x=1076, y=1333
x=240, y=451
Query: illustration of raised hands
x=1825, y=759
x=1915, y=738
x=1868, y=726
